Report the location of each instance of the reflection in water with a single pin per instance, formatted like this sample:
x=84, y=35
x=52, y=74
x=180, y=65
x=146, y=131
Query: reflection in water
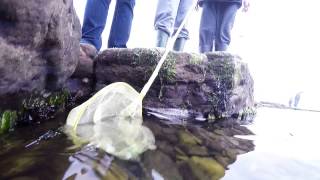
x=86, y=164
x=176, y=115
x=184, y=151
x=285, y=147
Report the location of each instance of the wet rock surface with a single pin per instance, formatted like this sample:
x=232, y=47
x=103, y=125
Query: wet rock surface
x=81, y=84
x=35, y=108
x=187, y=148
x=39, y=46
x=215, y=85
x=189, y=86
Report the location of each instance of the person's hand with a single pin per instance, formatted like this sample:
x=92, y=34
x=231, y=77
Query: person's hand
x=245, y=5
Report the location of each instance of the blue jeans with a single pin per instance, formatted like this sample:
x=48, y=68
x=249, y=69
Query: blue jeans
x=95, y=17
x=215, y=26
x=170, y=14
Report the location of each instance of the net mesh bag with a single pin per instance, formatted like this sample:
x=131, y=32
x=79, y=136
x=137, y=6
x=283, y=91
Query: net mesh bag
x=112, y=120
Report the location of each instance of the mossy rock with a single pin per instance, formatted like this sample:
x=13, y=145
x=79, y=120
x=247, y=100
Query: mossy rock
x=211, y=86
x=150, y=57
x=53, y=99
x=197, y=59
x=37, y=107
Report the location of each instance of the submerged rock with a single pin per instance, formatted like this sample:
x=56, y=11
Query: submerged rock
x=184, y=142
x=205, y=168
x=207, y=86
x=167, y=169
x=39, y=46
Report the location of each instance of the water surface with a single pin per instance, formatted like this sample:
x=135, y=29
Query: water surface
x=284, y=146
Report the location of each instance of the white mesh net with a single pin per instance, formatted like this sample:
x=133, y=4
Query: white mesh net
x=112, y=120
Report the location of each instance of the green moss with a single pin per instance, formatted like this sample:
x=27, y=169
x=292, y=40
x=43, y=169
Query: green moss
x=168, y=69
x=151, y=57
x=55, y=99
x=58, y=99
x=224, y=71
x=206, y=168
x=196, y=59
x=146, y=57
x=38, y=106
x=8, y=121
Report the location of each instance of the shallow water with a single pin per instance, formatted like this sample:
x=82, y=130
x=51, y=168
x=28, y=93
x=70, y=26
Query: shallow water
x=285, y=147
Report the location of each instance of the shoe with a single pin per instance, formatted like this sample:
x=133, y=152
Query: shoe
x=88, y=50
x=162, y=38
x=87, y=55
x=179, y=44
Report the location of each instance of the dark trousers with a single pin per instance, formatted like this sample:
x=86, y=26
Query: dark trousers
x=95, y=17
x=215, y=27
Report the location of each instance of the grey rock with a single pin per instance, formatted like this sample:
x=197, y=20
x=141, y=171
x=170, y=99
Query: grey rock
x=39, y=45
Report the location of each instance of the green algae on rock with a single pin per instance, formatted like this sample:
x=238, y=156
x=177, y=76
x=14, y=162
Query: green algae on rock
x=8, y=121
x=37, y=107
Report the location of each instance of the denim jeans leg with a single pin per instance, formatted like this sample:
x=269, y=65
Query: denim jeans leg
x=95, y=18
x=165, y=15
x=208, y=26
x=227, y=14
x=184, y=7
x=121, y=24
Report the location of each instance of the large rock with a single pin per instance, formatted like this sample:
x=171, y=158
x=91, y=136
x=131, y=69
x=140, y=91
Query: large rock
x=208, y=86
x=39, y=45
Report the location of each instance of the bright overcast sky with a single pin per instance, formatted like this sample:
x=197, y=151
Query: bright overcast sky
x=278, y=38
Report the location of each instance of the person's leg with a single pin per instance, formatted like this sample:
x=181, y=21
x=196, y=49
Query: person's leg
x=94, y=22
x=184, y=7
x=121, y=24
x=162, y=38
x=164, y=20
x=227, y=14
x=207, y=27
